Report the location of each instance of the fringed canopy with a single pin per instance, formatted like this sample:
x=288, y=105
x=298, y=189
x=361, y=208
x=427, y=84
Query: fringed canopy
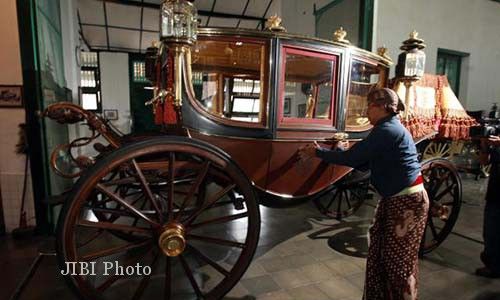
x=434, y=107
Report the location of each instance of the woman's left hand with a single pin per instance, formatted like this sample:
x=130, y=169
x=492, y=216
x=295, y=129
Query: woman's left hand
x=308, y=151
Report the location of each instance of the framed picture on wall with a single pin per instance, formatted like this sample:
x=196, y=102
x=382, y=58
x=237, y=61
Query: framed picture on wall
x=110, y=114
x=11, y=96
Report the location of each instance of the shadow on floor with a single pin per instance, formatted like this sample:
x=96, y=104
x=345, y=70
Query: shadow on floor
x=349, y=238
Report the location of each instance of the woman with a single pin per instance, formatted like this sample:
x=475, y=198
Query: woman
x=401, y=214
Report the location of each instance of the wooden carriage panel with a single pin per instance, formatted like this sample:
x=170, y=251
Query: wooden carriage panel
x=291, y=176
x=251, y=155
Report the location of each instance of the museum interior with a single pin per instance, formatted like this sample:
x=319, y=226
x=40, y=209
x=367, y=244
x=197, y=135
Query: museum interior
x=250, y=149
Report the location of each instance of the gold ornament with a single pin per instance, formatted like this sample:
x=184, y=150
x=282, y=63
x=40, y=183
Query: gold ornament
x=339, y=36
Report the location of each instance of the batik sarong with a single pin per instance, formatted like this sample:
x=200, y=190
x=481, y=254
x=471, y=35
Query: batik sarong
x=395, y=235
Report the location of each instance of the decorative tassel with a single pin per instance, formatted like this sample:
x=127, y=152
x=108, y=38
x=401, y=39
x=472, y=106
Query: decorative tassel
x=169, y=114
x=159, y=113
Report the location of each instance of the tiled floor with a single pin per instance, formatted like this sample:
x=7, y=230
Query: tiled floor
x=302, y=255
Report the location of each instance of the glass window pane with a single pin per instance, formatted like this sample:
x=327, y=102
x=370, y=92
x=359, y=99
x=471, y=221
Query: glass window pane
x=139, y=71
x=227, y=78
x=364, y=78
x=89, y=101
x=308, y=87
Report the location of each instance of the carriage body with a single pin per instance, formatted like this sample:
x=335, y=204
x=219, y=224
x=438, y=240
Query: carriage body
x=260, y=95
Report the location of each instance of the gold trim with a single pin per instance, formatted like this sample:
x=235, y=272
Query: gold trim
x=172, y=241
x=240, y=32
x=273, y=23
x=383, y=52
x=339, y=36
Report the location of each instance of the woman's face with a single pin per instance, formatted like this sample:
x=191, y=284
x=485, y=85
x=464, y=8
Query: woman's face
x=375, y=112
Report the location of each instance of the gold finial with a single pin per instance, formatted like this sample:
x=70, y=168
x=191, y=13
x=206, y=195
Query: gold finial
x=273, y=23
x=414, y=34
x=339, y=36
x=383, y=51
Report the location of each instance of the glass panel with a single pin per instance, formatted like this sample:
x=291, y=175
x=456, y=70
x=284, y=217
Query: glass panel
x=139, y=68
x=89, y=101
x=88, y=78
x=364, y=78
x=227, y=78
x=308, y=87
x=89, y=59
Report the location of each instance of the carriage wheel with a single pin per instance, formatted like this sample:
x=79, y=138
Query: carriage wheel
x=444, y=188
x=436, y=149
x=172, y=200
x=345, y=198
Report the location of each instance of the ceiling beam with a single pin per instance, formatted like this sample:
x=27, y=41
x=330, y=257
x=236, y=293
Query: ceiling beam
x=263, y=19
x=205, y=13
x=211, y=12
x=106, y=22
x=243, y=13
x=140, y=34
x=119, y=27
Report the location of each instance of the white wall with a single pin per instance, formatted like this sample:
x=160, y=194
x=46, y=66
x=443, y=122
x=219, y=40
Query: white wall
x=115, y=87
x=470, y=26
x=11, y=164
x=346, y=15
x=71, y=48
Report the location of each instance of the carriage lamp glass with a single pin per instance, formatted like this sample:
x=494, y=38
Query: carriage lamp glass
x=178, y=22
x=411, y=62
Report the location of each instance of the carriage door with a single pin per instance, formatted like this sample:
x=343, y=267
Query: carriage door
x=305, y=113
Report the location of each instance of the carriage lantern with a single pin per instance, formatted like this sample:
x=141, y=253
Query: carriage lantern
x=179, y=22
x=178, y=30
x=411, y=64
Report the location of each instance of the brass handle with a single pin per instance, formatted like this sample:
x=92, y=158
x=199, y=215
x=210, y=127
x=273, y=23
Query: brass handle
x=161, y=94
x=338, y=136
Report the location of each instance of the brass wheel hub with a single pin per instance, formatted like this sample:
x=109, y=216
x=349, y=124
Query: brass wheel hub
x=172, y=241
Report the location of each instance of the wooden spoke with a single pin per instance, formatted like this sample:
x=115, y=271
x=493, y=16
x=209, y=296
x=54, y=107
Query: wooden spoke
x=112, y=226
x=145, y=280
x=447, y=190
x=194, y=188
x=190, y=276
x=209, y=203
x=331, y=201
x=147, y=190
x=115, y=250
x=142, y=207
x=109, y=282
x=167, y=292
x=95, y=235
x=171, y=162
x=349, y=202
x=207, y=260
x=121, y=212
x=339, y=204
x=219, y=220
x=217, y=241
x=118, y=199
x=433, y=228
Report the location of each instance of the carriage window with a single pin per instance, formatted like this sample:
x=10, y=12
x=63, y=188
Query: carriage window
x=364, y=78
x=227, y=79
x=308, y=87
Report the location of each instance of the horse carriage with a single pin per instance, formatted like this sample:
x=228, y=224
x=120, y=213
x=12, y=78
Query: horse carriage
x=235, y=106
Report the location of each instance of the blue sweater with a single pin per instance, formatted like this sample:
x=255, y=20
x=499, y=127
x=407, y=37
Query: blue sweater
x=389, y=152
